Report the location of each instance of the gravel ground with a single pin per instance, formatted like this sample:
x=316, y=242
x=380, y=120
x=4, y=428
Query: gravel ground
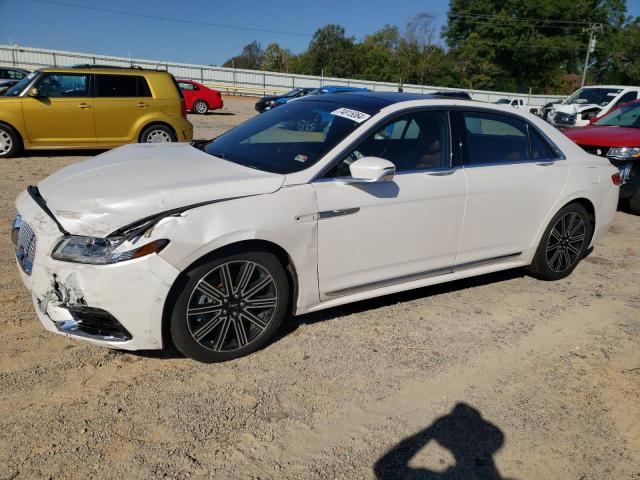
x=496, y=377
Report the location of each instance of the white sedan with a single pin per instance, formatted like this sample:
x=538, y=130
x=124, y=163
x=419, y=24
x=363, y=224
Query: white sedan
x=323, y=201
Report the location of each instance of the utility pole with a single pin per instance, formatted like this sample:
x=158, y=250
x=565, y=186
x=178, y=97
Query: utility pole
x=592, y=29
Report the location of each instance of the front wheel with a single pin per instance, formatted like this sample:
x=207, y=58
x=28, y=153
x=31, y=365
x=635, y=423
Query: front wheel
x=9, y=142
x=563, y=244
x=230, y=306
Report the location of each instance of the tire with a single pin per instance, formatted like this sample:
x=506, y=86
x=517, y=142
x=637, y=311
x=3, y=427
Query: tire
x=634, y=202
x=200, y=107
x=10, y=143
x=212, y=319
x=563, y=244
x=157, y=134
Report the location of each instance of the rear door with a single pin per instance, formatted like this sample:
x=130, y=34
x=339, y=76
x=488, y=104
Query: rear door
x=514, y=177
x=62, y=113
x=121, y=101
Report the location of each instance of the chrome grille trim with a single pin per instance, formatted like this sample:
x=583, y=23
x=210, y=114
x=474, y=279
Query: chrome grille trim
x=25, y=245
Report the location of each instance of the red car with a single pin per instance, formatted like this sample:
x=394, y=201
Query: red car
x=200, y=99
x=616, y=136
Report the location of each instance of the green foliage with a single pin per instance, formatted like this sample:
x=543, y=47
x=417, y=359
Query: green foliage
x=506, y=45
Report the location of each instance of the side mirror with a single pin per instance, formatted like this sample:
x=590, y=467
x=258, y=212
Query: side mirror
x=33, y=92
x=593, y=120
x=371, y=170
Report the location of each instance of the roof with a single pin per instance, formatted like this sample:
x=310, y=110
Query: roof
x=100, y=68
x=370, y=100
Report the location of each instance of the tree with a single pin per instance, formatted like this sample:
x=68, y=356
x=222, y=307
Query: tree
x=277, y=59
x=523, y=44
x=331, y=52
x=251, y=57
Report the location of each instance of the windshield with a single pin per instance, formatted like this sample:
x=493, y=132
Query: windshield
x=289, y=138
x=626, y=116
x=598, y=96
x=17, y=88
x=503, y=101
x=293, y=93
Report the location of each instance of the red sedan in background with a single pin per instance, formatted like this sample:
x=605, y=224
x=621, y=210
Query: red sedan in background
x=200, y=99
x=616, y=136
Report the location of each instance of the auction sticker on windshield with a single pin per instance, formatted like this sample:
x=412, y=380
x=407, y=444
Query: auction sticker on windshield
x=354, y=115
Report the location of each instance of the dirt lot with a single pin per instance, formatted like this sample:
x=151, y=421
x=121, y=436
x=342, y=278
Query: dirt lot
x=501, y=376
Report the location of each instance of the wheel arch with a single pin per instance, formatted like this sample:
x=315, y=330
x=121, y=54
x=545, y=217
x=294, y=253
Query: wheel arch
x=151, y=124
x=231, y=248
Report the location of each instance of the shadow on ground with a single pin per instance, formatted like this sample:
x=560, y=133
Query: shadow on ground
x=471, y=440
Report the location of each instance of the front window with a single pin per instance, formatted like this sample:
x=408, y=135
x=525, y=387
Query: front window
x=289, y=138
x=627, y=116
x=63, y=85
x=417, y=141
x=597, y=96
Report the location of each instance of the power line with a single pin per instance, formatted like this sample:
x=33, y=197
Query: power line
x=170, y=19
x=521, y=19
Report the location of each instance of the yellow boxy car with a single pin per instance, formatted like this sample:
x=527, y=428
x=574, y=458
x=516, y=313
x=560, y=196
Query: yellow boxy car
x=91, y=106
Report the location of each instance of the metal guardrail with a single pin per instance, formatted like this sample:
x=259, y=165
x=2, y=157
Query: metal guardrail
x=235, y=81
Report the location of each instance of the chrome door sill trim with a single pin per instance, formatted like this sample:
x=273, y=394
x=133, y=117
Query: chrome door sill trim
x=421, y=275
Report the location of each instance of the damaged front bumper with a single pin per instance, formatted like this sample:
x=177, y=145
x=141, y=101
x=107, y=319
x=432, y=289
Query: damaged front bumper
x=118, y=305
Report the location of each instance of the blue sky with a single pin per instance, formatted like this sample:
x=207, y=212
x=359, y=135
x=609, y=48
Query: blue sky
x=66, y=28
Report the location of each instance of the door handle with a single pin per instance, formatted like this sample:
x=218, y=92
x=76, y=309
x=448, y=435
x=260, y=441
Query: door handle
x=546, y=163
x=143, y=105
x=440, y=173
x=84, y=105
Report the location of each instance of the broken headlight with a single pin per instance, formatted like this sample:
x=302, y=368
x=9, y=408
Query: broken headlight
x=624, y=153
x=101, y=251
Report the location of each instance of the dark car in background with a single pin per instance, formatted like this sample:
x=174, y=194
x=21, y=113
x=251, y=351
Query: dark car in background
x=9, y=76
x=617, y=137
x=270, y=101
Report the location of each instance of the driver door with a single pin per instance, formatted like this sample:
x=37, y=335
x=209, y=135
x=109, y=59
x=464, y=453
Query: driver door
x=62, y=112
x=378, y=234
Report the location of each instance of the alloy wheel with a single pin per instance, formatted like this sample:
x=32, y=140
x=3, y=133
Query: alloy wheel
x=158, y=136
x=565, y=243
x=232, y=306
x=201, y=107
x=5, y=142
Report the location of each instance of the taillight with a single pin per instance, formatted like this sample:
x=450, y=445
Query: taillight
x=183, y=108
x=615, y=178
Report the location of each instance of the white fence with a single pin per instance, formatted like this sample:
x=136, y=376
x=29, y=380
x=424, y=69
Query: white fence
x=231, y=80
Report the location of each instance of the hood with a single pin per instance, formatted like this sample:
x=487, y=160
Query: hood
x=122, y=186
x=575, y=107
x=605, y=136
x=269, y=98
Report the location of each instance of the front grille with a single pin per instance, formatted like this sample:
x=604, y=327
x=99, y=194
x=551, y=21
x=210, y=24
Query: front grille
x=26, y=247
x=595, y=150
x=564, y=118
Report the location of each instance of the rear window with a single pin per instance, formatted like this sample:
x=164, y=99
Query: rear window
x=121, y=86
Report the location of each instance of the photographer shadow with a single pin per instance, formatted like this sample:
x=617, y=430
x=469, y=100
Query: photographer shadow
x=471, y=440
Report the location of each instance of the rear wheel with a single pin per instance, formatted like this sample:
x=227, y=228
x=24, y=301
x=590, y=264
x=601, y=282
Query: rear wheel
x=200, y=106
x=230, y=306
x=158, y=134
x=563, y=244
x=9, y=142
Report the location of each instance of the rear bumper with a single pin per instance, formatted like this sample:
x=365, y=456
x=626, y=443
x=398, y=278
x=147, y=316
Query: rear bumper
x=92, y=302
x=184, y=130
